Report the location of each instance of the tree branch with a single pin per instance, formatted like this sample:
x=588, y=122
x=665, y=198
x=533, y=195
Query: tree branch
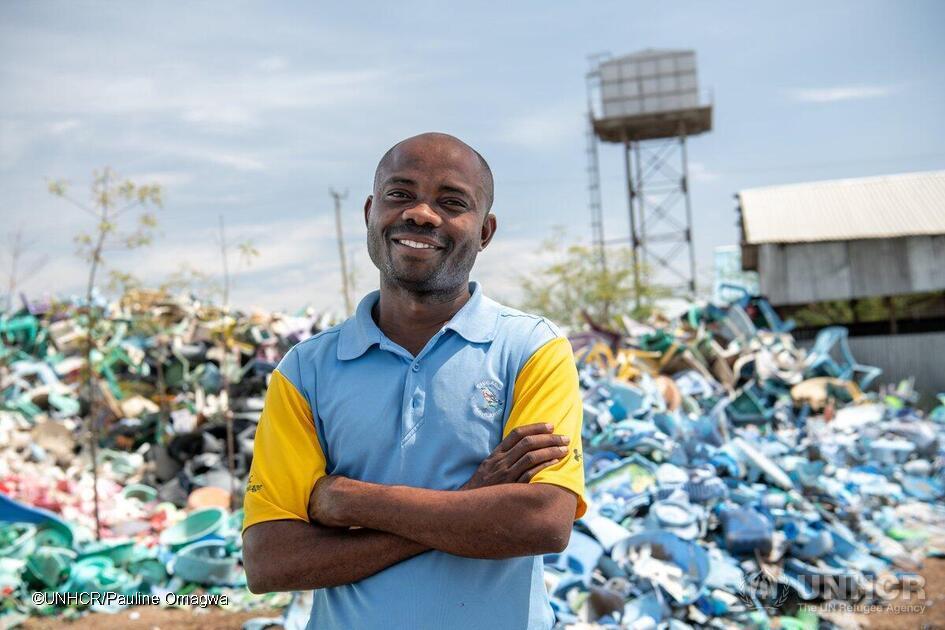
x=81, y=206
x=130, y=206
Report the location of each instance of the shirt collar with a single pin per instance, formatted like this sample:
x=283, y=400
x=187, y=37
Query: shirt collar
x=476, y=322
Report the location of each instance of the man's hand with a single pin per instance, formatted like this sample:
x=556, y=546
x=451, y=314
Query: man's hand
x=521, y=455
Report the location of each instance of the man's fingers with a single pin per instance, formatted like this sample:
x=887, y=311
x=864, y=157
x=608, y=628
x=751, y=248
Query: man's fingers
x=533, y=443
x=524, y=431
x=534, y=470
x=533, y=458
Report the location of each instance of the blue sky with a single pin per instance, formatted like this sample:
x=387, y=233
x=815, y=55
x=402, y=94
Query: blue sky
x=254, y=110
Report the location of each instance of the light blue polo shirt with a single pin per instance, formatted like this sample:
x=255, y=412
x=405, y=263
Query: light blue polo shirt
x=365, y=408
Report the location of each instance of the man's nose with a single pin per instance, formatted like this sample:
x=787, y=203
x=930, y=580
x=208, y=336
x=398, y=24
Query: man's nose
x=422, y=214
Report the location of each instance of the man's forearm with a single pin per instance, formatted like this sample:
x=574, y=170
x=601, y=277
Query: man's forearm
x=295, y=556
x=495, y=522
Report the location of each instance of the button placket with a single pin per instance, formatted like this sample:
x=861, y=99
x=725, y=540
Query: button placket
x=414, y=395
x=412, y=404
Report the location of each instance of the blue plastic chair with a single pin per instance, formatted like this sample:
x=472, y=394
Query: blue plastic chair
x=774, y=321
x=750, y=407
x=820, y=361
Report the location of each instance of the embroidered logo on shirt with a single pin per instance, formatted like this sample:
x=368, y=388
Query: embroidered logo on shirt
x=252, y=487
x=577, y=455
x=486, y=399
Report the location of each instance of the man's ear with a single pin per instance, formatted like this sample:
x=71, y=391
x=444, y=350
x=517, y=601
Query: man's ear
x=489, y=227
x=367, y=208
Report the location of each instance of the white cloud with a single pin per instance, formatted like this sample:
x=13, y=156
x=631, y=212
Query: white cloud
x=699, y=172
x=200, y=198
x=19, y=135
x=14, y=141
x=543, y=128
x=237, y=95
x=167, y=179
x=840, y=93
x=225, y=115
x=274, y=63
x=185, y=148
x=238, y=161
x=62, y=126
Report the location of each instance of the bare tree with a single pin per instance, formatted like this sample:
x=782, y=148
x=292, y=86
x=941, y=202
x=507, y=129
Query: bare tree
x=247, y=252
x=111, y=202
x=573, y=282
x=20, y=270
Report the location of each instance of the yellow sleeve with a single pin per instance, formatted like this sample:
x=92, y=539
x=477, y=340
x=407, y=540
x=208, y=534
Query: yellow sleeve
x=287, y=458
x=547, y=390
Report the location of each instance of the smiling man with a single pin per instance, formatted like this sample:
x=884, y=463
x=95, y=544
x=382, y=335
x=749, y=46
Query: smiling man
x=414, y=463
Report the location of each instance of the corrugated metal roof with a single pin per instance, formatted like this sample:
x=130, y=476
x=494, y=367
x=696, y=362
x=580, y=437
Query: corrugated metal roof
x=845, y=209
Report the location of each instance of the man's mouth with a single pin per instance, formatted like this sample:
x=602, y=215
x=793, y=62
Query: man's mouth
x=413, y=244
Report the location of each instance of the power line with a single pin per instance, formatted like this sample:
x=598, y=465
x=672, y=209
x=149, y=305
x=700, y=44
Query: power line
x=745, y=169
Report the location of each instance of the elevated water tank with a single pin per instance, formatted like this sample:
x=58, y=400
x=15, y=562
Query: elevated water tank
x=650, y=94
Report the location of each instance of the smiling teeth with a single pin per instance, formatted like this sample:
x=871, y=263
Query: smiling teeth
x=416, y=245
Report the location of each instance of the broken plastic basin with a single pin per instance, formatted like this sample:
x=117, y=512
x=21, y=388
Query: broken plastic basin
x=97, y=573
x=235, y=523
x=688, y=556
x=198, y=525
x=887, y=451
x=17, y=540
x=151, y=571
x=50, y=565
x=118, y=551
x=675, y=517
x=206, y=562
x=141, y=492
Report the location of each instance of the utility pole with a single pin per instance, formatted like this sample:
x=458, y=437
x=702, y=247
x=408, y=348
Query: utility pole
x=341, y=248
x=226, y=267
x=224, y=368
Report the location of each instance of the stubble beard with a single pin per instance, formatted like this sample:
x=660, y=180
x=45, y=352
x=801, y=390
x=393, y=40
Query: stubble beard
x=442, y=280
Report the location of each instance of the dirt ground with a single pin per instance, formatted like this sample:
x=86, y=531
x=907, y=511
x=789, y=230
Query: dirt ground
x=926, y=612
x=154, y=618
x=932, y=617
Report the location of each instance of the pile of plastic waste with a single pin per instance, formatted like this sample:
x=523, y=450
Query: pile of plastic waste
x=179, y=384
x=733, y=478
x=737, y=480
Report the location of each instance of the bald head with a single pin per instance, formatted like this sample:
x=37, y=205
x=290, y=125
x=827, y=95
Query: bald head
x=434, y=141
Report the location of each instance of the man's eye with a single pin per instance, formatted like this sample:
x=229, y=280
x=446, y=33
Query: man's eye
x=455, y=202
x=398, y=194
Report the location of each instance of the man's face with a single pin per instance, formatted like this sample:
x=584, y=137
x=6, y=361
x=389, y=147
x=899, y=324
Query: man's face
x=427, y=219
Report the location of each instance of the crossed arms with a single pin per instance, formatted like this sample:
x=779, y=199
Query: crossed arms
x=359, y=529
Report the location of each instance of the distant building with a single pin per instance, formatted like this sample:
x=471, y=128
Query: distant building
x=727, y=270
x=868, y=253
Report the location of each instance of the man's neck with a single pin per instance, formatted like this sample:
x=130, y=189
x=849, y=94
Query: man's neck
x=410, y=320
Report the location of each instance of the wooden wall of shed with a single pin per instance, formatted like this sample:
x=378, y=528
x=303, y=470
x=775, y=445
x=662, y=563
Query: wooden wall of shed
x=801, y=273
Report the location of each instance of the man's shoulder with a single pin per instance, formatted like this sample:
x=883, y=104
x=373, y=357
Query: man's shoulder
x=519, y=327
x=320, y=344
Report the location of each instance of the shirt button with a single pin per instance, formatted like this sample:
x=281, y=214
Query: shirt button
x=416, y=367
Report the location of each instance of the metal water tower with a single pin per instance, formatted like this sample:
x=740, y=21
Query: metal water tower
x=650, y=103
